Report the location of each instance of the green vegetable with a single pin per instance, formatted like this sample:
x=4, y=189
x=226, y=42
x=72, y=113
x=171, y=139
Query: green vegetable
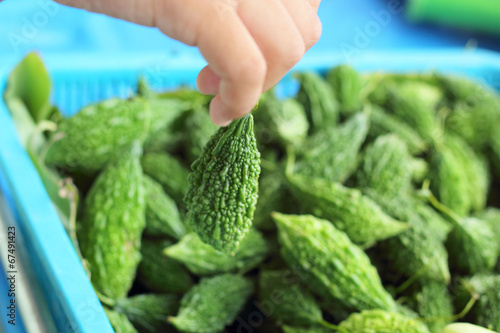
x=198, y=128
x=318, y=99
x=281, y=122
x=350, y=211
x=223, y=186
x=202, y=259
x=87, y=141
x=334, y=155
x=347, y=85
x=381, y=122
x=159, y=273
x=491, y=216
x=380, y=321
x=296, y=306
x=111, y=230
x=119, y=322
x=167, y=171
x=420, y=248
x=432, y=301
x=212, y=304
x=148, y=312
x=486, y=310
x=465, y=328
x=162, y=215
x=315, y=329
x=475, y=241
x=329, y=263
x=415, y=104
x=387, y=167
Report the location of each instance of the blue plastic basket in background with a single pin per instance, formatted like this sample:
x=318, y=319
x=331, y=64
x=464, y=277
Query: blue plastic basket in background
x=91, y=58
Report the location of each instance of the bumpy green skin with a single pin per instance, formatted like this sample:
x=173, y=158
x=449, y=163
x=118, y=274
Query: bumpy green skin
x=347, y=85
x=202, y=259
x=274, y=195
x=379, y=321
x=333, y=155
x=318, y=99
x=350, y=211
x=159, y=273
x=387, y=167
x=162, y=215
x=486, y=310
x=432, y=300
x=475, y=167
x=491, y=216
x=296, y=306
x=449, y=180
x=329, y=263
x=419, y=247
x=87, y=141
x=119, y=322
x=223, y=187
x=382, y=123
x=148, y=312
x=476, y=123
x=167, y=171
x=281, y=122
x=415, y=103
x=473, y=246
x=315, y=329
x=198, y=128
x=212, y=304
x=111, y=230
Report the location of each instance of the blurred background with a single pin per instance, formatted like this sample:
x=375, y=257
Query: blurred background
x=350, y=28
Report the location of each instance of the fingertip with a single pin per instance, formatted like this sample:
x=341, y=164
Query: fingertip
x=219, y=112
x=208, y=82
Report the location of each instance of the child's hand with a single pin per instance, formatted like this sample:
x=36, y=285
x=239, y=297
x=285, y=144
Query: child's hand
x=249, y=44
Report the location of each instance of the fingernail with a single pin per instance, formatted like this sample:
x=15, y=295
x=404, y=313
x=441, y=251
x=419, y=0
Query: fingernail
x=218, y=112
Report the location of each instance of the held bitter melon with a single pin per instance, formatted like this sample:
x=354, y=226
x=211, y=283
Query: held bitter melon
x=223, y=187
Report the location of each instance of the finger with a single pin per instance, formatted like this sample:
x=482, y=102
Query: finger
x=315, y=4
x=276, y=35
x=138, y=11
x=228, y=47
x=306, y=19
x=208, y=82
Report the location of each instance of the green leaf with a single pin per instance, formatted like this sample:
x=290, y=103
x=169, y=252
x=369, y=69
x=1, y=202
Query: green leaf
x=30, y=82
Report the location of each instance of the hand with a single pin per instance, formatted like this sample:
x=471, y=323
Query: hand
x=249, y=44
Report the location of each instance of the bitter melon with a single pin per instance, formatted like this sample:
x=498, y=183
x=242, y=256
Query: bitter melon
x=162, y=215
x=486, y=310
x=334, y=155
x=347, y=85
x=387, y=167
x=296, y=305
x=473, y=246
x=330, y=264
x=212, y=304
x=223, y=187
x=380, y=321
x=202, y=259
x=318, y=99
x=167, y=171
x=350, y=211
x=87, y=141
x=159, y=273
x=113, y=223
x=148, y=312
x=119, y=322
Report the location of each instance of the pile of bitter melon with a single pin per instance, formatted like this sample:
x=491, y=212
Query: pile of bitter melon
x=366, y=203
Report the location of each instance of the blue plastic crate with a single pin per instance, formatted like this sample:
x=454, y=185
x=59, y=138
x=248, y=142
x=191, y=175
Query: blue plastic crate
x=69, y=294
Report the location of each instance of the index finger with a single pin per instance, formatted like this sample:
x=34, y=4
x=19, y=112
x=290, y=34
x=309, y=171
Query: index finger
x=234, y=56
